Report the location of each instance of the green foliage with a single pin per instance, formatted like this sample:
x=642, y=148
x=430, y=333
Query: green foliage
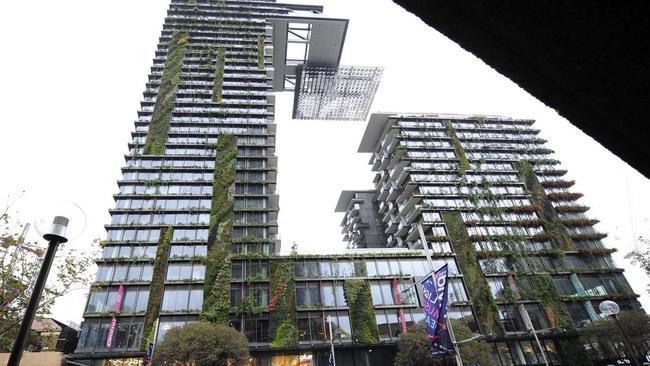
x=20, y=263
x=286, y=335
x=162, y=112
x=471, y=352
x=641, y=256
x=260, y=52
x=479, y=292
x=217, y=89
x=362, y=314
x=636, y=325
x=414, y=349
x=282, y=305
x=544, y=207
x=544, y=290
x=572, y=352
x=157, y=282
x=203, y=344
x=463, y=163
x=216, y=291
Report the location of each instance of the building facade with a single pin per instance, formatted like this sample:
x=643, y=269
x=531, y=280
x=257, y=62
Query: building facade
x=209, y=94
x=193, y=234
x=487, y=190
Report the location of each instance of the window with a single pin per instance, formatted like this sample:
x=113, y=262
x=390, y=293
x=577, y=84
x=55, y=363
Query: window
x=257, y=329
x=511, y=319
x=382, y=292
x=341, y=328
x=311, y=327
x=308, y=294
x=343, y=269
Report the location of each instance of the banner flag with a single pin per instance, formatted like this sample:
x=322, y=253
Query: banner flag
x=434, y=292
x=398, y=301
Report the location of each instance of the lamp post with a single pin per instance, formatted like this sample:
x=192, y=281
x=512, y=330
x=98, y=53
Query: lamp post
x=610, y=308
x=55, y=235
x=329, y=321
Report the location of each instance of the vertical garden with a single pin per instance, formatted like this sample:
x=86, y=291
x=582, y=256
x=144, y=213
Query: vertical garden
x=216, y=297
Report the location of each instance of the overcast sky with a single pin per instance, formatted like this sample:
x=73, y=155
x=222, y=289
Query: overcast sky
x=73, y=73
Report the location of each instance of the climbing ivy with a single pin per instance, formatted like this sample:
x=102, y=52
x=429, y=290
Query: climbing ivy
x=362, y=314
x=216, y=291
x=463, y=163
x=544, y=290
x=157, y=283
x=162, y=112
x=260, y=52
x=544, y=207
x=286, y=335
x=282, y=305
x=485, y=307
x=217, y=89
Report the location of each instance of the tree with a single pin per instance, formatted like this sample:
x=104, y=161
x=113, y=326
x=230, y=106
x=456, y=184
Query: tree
x=641, y=256
x=414, y=349
x=21, y=263
x=606, y=334
x=202, y=344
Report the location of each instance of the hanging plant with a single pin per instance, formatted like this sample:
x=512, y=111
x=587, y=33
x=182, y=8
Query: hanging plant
x=282, y=306
x=260, y=52
x=162, y=112
x=217, y=89
x=216, y=292
x=157, y=285
x=463, y=163
x=362, y=313
x=483, y=302
x=552, y=223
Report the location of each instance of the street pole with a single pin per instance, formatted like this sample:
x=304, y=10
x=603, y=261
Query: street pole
x=55, y=236
x=628, y=345
x=526, y=317
x=329, y=321
x=423, y=238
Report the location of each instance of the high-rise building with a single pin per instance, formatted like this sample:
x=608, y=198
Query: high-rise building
x=194, y=235
x=197, y=199
x=488, y=191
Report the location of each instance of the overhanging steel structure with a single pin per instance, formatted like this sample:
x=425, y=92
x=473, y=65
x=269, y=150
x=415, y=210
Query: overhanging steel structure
x=306, y=55
x=343, y=93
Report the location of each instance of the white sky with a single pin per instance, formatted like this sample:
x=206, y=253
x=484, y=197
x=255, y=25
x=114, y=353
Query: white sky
x=73, y=73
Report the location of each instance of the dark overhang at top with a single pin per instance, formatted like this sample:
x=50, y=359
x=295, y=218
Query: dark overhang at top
x=587, y=60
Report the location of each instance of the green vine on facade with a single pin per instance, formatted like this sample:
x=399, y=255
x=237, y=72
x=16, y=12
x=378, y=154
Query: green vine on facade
x=544, y=207
x=217, y=89
x=260, y=52
x=463, y=163
x=545, y=291
x=162, y=112
x=216, y=292
x=157, y=285
x=485, y=307
x=362, y=314
x=283, y=330
x=286, y=335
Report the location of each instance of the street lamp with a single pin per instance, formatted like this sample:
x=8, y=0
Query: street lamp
x=329, y=321
x=610, y=308
x=55, y=235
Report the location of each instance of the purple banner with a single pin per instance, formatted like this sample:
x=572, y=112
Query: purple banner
x=118, y=301
x=111, y=332
x=116, y=308
x=434, y=292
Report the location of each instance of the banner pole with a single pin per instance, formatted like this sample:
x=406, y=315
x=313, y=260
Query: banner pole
x=425, y=245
